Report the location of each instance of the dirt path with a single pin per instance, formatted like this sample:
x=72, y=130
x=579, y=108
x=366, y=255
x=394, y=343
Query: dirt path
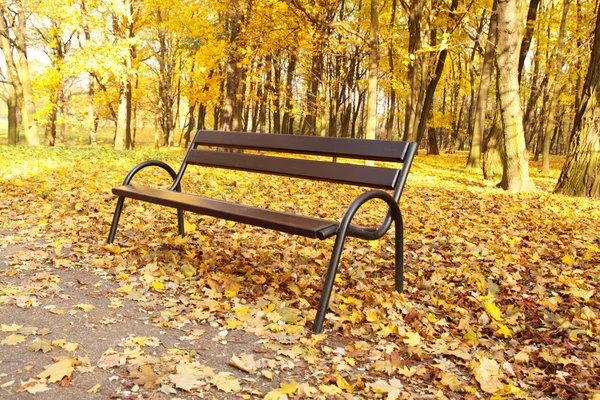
x=75, y=313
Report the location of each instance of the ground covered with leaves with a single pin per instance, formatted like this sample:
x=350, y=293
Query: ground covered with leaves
x=501, y=295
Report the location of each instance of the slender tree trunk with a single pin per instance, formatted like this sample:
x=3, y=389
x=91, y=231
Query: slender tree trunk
x=487, y=71
x=21, y=80
x=516, y=165
x=13, y=137
x=31, y=129
x=11, y=105
x=122, y=119
x=580, y=175
x=230, y=119
x=414, y=43
x=276, y=96
x=554, y=90
x=494, y=154
x=92, y=116
x=288, y=116
x=526, y=42
x=309, y=127
x=371, y=128
x=432, y=85
x=389, y=123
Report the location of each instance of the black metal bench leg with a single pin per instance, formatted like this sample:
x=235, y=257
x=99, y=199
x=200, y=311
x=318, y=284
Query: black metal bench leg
x=180, y=224
x=328, y=284
x=399, y=254
x=115, y=222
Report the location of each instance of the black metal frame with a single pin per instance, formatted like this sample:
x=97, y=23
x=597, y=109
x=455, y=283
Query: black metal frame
x=341, y=231
x=176, y=186
x=363, y=233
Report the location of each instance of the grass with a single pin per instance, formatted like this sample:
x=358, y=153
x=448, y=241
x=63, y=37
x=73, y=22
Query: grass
x=74, y=137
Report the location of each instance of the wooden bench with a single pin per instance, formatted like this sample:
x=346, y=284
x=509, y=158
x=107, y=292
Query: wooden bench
x=206, y=150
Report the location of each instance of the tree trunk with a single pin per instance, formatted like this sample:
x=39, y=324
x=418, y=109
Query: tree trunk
x=309, y=127
x=371, y=127
x=432, y=141
x=554, y=90
x=229, y=120
x=20, y=81
x=494, y=154
x=414, y=43
x=122, y=119
x=11, y=104
x=487, y=71
x=389, y=123
x=526, y=42
x=92, y=115
x=580, y=175
x=288, y=115
x=276, y=96
x=432, y=85
x=516, y=166
x=27, y=112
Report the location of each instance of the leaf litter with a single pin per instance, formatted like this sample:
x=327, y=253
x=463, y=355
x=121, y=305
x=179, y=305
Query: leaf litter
x=501, y=291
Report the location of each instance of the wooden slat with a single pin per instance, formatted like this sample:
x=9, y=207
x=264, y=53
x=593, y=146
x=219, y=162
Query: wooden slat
x=290, y=223
x=378, y=150
x=375, y=177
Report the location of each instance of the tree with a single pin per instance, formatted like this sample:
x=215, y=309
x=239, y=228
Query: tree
x=483, y=93
x=9, y=97
x=372, y=90
x=516, y=164
x=12, y=36
x=554, y=90
x=580, y=175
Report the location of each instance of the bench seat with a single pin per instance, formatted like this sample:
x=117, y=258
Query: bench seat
x=262, y=217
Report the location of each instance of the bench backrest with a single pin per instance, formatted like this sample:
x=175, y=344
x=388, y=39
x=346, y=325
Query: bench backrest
x=361, y=175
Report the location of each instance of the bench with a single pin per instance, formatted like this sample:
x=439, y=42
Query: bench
x=264, y=155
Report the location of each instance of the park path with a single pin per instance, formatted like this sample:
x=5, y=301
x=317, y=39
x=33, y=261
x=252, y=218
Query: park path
x=74, y=312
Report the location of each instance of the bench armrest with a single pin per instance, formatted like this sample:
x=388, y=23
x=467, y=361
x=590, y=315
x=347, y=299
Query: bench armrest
x=370, y=233
x=153, y=163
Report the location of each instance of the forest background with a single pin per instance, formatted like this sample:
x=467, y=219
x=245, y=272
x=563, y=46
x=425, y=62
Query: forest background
x=389, y=70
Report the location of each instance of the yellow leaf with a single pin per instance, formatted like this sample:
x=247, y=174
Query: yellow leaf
x=94, y=389
x=122, y=276
x=157, y=285
x=189, y=227
x=70, y=346
x=57, y=371
x=125, y=289
x=487, y=374
x=10, y=328
x=146, y=377
x=412, y=339
x=503, y=330
x=288, y=387
x=567, y=259
x=581, y=293
x=330, y=389
x=84, y=307
x=13, y=339
x=493, y=311
x=267, y=374
x=226, y=383
x=245, y=362
x=343, y=384
x=450, y=380
x=40, y=345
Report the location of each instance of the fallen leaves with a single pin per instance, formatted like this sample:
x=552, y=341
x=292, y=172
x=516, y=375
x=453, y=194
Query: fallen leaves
x=501, y=291
x=487, y=373
x=60, y=371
